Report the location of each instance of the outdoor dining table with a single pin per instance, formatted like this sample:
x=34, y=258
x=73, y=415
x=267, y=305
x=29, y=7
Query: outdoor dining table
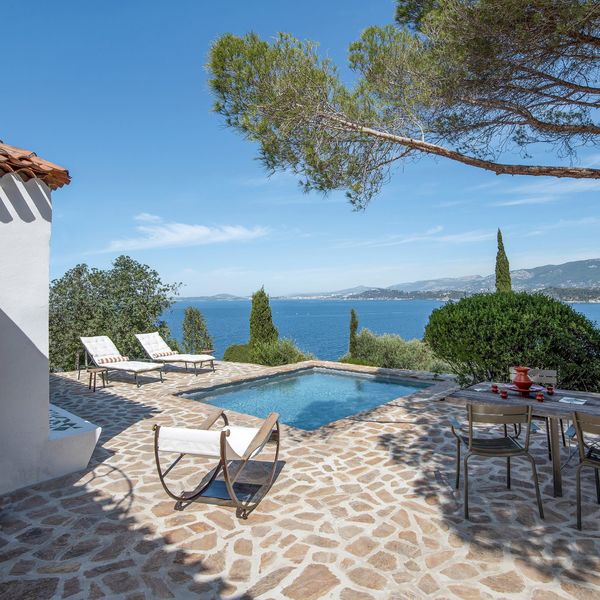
x=551, y=407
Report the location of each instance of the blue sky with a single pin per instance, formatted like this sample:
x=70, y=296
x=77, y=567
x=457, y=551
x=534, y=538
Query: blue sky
x=117, y=92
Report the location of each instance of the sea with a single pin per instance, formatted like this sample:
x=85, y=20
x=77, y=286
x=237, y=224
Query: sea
x=318, y=326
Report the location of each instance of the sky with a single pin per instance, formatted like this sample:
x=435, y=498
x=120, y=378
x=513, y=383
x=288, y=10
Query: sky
x=118, y=93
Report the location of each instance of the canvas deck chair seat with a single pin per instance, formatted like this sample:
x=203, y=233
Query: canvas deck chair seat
x=104, y=353
x=232, y=447
x=158, y=350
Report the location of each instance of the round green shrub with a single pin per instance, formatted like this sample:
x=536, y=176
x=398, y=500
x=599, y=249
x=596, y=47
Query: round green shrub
x=271, y=354
x=277, y=352
x=482, y=336
x=238, y=353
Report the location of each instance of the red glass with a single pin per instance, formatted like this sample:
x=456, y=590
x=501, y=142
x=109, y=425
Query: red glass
x=494, y=388
x=539, y=397
x=503, y=394
x=550, y=390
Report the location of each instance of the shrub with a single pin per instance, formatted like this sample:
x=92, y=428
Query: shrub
x=271, y=354
x=392, y=352
x=238, y=353
x=278, y=352
x=195, y=332
x=485, y=334
x=261, y=319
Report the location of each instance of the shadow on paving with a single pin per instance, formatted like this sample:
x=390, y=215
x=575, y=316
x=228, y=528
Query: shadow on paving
x=75, y=541
x=502, y=520
x=104, y=407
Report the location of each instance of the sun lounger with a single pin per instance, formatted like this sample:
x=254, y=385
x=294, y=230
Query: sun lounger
x=157, y=349
x=232, y=446
x=104, y=353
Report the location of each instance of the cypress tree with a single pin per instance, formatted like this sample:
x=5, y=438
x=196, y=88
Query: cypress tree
x=261, y=319
x=195, y=332
x=353, y=330
x=503, y=282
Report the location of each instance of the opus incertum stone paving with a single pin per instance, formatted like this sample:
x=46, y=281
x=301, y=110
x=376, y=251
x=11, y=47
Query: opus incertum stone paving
x=361, y=509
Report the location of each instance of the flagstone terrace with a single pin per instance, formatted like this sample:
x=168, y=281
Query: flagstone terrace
x=364, y=508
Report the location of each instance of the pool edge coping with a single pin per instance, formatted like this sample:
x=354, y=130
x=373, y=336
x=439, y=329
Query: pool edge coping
x=441, y=386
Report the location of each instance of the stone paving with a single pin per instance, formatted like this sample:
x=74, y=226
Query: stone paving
x=361, y=509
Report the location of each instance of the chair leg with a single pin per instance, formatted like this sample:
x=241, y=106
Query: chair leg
x=578, y=494
x=466, y=499
x=548, y=438
x=508, y=472
x=457, y=464
x=537, y=485
x=562, y=433
x=597, y=485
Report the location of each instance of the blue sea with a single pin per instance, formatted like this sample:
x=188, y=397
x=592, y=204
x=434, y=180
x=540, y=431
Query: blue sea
x=319, y=326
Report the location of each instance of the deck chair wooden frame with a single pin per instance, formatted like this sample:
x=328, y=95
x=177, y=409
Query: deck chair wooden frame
x=586, y=424
x=269, y=432
x=507, y=446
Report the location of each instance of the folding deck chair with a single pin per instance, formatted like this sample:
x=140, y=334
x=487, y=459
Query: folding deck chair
x=232, y=446
x=157, y=349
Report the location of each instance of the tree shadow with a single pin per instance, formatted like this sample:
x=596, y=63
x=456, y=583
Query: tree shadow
x=84, y=538
x=105, y=407
x=502, y=520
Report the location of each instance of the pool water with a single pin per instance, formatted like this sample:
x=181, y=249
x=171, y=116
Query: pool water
x=310, y=399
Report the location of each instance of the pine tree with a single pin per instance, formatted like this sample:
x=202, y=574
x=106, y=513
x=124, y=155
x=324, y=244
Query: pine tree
x=261, y=319
x=503, y=282
x=196, y=337
x=353, y=330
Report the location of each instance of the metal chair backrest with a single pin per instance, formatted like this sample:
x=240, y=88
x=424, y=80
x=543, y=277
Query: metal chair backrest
x=499, y=414
x=586, y=425
x=539, y=376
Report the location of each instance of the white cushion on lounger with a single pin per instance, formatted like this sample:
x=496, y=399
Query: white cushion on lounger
x=135, y=366
x=153, y=344
x=206, y=443
x=191, y=358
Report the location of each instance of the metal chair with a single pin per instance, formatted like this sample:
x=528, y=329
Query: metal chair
x=494, y=447
x=589, y=453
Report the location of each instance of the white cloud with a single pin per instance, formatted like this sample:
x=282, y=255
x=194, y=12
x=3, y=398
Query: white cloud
x=147, y=218
x=155, y=233
x=546, y=191
x=432, y=235
x=564, y=224
x=525, y=201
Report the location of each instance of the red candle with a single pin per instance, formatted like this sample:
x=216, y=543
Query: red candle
x=539, y=397
x=550, y=390
x=503, y=394
x=494, y=388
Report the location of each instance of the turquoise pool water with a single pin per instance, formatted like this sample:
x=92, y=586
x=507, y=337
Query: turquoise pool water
x=309, y=399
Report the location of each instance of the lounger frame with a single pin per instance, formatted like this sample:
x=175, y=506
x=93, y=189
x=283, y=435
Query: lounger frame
x=107, y=366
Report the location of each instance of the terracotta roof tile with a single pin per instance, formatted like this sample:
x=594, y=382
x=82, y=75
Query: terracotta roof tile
x=28, y=164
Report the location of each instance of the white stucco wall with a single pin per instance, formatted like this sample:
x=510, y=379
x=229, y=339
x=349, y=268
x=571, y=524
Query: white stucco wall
x=25, y=221
x=29, y=451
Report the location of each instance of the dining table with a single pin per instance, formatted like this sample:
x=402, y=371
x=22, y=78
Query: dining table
x=559, y=405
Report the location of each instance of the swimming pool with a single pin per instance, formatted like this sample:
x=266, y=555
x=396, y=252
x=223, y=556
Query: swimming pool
x=311, y=398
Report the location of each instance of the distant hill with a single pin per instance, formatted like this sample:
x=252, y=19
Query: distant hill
x=215, y=297
x=576, y=274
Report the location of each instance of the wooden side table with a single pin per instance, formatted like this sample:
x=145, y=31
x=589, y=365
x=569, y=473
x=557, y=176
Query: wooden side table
x=93, y=372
